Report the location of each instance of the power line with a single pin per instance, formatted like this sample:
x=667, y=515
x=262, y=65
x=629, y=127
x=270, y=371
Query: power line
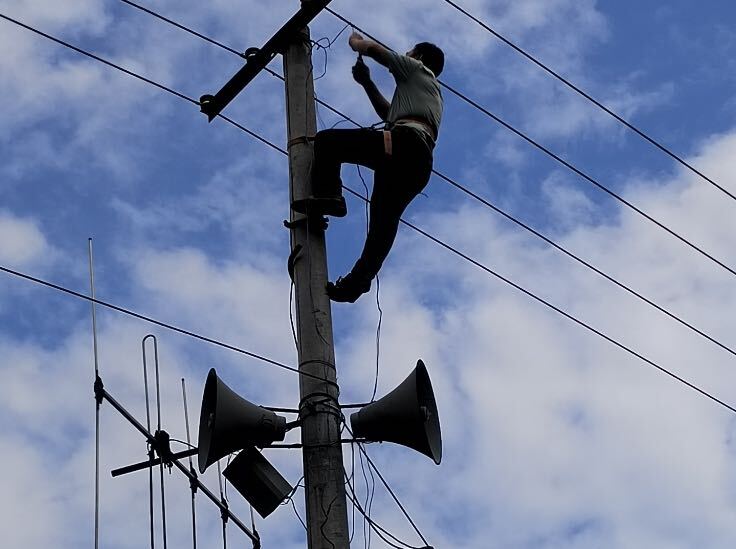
x=410, y=225
x=151, y=320
x=184, y=28
x=587, y=96
x=224, y=47
x=134, y=75
x=100, y=59
x=472, y=194
x=558, y=158
x=425, y=234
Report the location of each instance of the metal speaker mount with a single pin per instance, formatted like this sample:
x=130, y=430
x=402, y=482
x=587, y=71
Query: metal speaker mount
x=407, y=416
x=228, y=423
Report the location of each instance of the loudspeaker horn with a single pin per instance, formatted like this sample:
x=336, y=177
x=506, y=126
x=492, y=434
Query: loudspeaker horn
x=228, y=423
x=407, y=416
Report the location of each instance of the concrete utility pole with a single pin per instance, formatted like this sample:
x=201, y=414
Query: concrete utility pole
x=324, y=482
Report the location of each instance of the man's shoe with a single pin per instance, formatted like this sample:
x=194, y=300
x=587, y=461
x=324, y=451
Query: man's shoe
x=348, y=289
x=334, y=206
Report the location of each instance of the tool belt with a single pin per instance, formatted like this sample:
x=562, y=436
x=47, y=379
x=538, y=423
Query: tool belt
x=387, y=143
x=416, y=120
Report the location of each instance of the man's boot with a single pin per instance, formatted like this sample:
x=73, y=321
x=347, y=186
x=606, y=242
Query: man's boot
x=313, y=205
x=348, y=288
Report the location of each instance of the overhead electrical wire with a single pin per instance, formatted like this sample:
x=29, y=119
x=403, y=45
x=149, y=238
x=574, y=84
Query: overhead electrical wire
x=471, y=194
x=133, y=74
x=481, y=109
x=410, y=225
x=561, y=160
x=590, y=98
x=434, y=239
x=159, y=323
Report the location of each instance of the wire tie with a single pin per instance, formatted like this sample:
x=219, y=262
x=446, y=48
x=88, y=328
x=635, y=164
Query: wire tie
x=302, y=139
x=316, y=361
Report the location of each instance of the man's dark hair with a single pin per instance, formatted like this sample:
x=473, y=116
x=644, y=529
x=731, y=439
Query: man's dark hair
x=432, y=57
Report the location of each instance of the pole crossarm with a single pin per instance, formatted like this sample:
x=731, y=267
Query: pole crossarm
x=152, y=463
x=258, y=58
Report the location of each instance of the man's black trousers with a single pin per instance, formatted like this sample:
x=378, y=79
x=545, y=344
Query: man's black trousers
x=398, y=178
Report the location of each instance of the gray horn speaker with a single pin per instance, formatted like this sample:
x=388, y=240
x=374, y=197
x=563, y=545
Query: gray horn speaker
x=407, y=416
x=228, y=423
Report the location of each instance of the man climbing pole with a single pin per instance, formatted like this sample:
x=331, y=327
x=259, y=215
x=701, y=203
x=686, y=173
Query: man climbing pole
x=400, y=155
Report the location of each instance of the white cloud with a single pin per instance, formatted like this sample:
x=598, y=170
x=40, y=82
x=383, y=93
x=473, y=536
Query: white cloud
x=61, y=14
x=22, y=243
x=553, y=438
x=580, y=443
x=550, y=434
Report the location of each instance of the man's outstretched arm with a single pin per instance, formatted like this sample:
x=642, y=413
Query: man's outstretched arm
x=369, y=48
x=362, y=75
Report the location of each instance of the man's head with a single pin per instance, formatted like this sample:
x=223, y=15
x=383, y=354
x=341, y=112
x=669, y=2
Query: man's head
x=429, y=54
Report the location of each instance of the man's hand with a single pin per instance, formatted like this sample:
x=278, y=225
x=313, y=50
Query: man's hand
x=354, y=40
x=372, y=49
x=361, y=72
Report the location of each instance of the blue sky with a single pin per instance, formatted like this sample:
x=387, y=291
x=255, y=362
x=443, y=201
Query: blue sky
x=553, y=437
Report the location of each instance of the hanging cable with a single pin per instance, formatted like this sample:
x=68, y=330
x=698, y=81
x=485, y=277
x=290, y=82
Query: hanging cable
x=296, y=512
x=377, y=528
x=587, y=96
x=370, y=501
x=317, y=44
x=559, y=159
x=416, y=229
x=290, y=500
x=351, y=479
x=483, y=201
x=369, y=490
x=378, y=290
x=378, y=335
x=386, y=485
x=291, y=315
